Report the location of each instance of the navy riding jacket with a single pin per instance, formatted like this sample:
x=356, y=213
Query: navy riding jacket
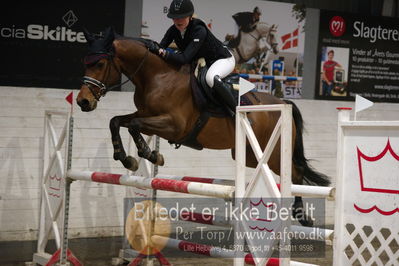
x=198, y=41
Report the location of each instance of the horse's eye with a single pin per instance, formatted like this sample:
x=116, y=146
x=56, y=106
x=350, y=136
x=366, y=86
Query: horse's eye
x=100, y=64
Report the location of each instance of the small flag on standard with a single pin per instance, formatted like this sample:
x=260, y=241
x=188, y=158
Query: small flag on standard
x=69, y=97
x=362, y=103
x=245, y=86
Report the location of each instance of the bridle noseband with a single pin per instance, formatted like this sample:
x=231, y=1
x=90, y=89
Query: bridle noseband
x=88, y=81
x=103, y=88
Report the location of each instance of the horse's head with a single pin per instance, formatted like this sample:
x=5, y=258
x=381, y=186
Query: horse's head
x=270, y=34
x=101, y=73
x=272, y=39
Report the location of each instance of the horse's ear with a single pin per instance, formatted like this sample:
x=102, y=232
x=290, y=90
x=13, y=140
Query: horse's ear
x=89, y=37
x=109, y=35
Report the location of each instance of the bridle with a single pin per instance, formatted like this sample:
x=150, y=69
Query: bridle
x=102, y=87
x=269, y=36
x=270, y=46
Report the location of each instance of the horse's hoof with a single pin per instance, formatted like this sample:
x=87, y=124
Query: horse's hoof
x=160, y=161
x=300, y=215
x=306, y=222
x=130, y=163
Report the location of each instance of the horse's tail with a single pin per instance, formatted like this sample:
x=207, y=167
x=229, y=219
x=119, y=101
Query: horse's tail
x=298, y=157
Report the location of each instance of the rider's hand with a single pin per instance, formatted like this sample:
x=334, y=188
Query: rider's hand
x=153, y=47
x=162, y=52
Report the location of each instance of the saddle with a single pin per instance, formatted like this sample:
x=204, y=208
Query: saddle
x=205, y=98
x=207, y=101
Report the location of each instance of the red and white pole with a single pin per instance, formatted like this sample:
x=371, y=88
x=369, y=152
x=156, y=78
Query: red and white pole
x=203, y=189
x=297, y=190
x=218, y=181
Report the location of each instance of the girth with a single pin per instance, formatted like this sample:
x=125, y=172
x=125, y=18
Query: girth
x=191, y=139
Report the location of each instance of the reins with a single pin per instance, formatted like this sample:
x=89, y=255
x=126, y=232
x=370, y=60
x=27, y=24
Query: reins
x=103, y=88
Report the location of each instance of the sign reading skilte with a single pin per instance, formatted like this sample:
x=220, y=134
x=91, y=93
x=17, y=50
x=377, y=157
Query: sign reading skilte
x=43, y=43
x=358, y=55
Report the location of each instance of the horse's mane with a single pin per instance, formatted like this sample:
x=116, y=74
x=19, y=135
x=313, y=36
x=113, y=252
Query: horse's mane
x=146, y=43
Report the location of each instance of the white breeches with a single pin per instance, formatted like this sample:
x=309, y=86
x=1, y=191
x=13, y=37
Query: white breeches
x=221, y=67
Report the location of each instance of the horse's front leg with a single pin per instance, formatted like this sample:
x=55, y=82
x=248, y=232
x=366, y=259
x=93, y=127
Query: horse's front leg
x=155, y=125
x=119, y=152
x=143, y=150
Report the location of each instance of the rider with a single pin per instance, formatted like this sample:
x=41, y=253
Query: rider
x=195, y=40
x=246, y=22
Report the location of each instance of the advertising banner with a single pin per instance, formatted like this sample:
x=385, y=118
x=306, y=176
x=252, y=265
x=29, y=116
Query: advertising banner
x=358, y=55
x=252, y=50
x=43, y=42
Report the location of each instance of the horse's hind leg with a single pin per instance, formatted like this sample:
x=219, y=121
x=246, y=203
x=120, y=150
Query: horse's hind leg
x=298, y=212
x=119, y=152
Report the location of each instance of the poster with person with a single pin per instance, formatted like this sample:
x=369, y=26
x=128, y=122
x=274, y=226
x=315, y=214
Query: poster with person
x=277, y=27
x=334, y=71
x=358, y=55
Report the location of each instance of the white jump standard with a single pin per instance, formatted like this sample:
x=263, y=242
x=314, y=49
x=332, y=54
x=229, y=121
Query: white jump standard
x=362, y=203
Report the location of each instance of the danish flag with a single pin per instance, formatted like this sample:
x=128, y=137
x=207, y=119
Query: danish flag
x=290, y=40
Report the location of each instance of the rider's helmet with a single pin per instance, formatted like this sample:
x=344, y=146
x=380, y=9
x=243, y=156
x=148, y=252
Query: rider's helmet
x=181, y=9
x=257, y=11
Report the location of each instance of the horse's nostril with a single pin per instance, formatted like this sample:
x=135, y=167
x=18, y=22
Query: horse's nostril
x=83, y=103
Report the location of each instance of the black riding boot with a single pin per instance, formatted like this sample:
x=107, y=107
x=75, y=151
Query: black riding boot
x=224, y=92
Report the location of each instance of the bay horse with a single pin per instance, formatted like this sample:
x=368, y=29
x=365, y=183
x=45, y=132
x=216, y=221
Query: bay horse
x=165, y=107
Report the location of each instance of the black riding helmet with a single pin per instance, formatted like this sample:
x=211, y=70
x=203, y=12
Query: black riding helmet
x=257, y=10
x=181, y=9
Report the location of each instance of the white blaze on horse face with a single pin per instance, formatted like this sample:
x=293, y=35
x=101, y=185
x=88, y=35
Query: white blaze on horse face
x=85, y=99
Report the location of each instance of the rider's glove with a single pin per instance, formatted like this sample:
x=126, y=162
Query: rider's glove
x=153, y=47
